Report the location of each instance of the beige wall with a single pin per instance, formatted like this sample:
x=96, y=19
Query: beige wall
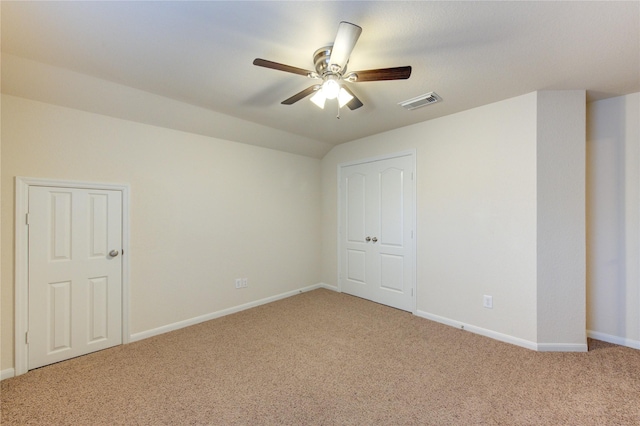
x=204, y=211
x=613, y=220
x=560, y=222
x=476, y=213
x=230, y=210
x=481, y=219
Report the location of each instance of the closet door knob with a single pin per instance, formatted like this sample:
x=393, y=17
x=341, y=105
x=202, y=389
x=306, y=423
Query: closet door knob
x=367, y=239
x=113, y=253
x=374, y=239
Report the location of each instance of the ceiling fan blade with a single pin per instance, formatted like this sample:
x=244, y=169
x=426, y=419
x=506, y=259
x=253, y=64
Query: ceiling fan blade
x=346, y=39
x=397, y=73
x=301, y=95
x=280, y=67
x=354, y=103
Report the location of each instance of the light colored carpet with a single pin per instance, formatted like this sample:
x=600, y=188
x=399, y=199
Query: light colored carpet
x=324, y=358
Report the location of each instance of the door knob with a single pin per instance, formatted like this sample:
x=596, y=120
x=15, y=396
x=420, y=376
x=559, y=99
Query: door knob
x=113, y=253
x=374, y=239
x=367, y=239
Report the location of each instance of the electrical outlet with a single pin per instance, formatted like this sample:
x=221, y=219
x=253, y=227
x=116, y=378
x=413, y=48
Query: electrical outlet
x=244, y=283
x=488, y=302
x=238, y=282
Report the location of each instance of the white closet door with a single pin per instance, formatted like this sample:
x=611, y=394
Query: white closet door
x=376, y=235
x=75, y=272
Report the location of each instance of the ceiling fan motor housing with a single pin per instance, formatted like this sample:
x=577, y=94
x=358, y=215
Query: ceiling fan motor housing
x=321, y=59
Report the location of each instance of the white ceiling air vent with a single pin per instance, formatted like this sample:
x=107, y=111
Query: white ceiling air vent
x=420, y=101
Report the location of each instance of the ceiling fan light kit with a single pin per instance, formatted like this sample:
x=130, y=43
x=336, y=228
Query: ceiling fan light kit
x=331, y=87
x=320, y=97
x=344, y=97
x=330, y=64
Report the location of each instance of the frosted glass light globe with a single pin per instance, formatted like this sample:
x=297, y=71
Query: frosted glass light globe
x=330, y=88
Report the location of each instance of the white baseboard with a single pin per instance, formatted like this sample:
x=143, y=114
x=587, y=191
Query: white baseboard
x=540, y=347
x=616, y=340
x=328, y=287
x=213, y=315
x=479, y=330
x=562, y=347
x=7, y=374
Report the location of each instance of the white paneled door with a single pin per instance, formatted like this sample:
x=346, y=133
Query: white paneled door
x=376, y=231
x=75, y=272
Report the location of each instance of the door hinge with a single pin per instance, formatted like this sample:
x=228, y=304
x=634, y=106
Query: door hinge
x=26, y=219
x=26, y=337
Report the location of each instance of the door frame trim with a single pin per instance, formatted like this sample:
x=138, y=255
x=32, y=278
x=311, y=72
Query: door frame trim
x=414, y=210
x=21, y=279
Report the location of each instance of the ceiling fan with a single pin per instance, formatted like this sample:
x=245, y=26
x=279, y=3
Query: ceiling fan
x=331, y=68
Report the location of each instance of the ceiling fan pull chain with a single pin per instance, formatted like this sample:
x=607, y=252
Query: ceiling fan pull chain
x=338, y=116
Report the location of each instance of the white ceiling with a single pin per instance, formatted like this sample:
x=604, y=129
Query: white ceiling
x=201, y=53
